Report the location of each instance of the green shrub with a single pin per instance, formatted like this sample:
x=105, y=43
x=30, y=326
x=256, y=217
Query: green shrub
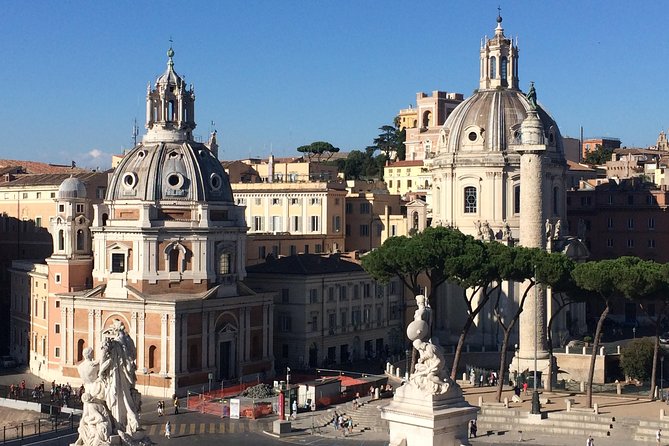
x=636, y=359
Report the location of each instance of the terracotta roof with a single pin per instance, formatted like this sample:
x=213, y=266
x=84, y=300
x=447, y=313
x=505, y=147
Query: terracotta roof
x=50, y=179
x=572, y=165
x=304, y=264
x=37, y=167
x=406, y=163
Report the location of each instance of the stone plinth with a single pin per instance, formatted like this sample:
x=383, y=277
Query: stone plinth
x=281, y=427
x=419, y=419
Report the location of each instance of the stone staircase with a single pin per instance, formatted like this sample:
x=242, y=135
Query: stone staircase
x=495, y=419
x=645, y=430
x=366, y=417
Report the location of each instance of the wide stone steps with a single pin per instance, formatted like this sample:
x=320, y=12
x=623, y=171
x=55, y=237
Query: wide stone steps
x=497, y=419
x=645, y=430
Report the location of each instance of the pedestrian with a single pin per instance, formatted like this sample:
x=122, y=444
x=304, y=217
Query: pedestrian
x=349, y=424
x=481, y=380
x=658, y=436
x=294, y=414
x=590, y=441
x=168, y=430
x=525, y=387
x=176, y=405
x=472, y=429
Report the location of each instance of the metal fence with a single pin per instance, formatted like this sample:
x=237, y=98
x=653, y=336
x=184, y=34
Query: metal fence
x=214, y=404
x=63, y=423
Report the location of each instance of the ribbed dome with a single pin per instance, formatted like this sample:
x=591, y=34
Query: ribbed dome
x=72, y=188
x=170, y=171
x=490, y=120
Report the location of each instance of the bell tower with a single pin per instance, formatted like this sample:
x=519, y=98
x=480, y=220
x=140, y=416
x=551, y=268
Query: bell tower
x=499, y=61
x=170, y=107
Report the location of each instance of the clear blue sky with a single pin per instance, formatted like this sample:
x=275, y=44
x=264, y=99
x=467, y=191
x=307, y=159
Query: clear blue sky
x=282, y=74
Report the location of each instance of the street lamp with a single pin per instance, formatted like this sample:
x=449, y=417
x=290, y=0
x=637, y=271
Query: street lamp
x=661, y=377
x=515, y=379
x=536, y=407
x=634, y=332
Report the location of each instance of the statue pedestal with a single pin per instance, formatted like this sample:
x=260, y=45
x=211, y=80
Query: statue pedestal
x=420, y=419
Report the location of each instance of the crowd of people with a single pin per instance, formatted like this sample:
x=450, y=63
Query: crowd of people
x=342, y=423
x=482, y=377
x=60, y=394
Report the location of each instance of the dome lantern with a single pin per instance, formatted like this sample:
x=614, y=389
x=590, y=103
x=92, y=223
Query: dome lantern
x=499, y=61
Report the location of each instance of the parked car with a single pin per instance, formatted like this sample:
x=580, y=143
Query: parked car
x=7, y=362
x=664, y=338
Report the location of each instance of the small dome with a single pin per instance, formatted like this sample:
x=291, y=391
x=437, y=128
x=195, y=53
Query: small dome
x=72, y=188
x=490, y=121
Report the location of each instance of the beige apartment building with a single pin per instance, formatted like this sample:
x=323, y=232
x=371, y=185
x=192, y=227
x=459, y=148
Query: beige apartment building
x=286, y=218
x=408, y=178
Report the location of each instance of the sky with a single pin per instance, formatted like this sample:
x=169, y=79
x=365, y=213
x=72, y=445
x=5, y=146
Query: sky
x=274, y=75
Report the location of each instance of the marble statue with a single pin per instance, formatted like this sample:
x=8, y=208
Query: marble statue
x=557, y=232
x=117, y=371
x=549, y=229
x=506, y=232
x=95, y=426
x=479, y=231
x=430, y=376
x=111, y=403
x=532, y=97
x=488, y=233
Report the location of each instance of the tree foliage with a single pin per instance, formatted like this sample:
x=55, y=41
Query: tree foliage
x=360, y=165
x=318, y=150
x=390, y=142
x=598, y=156
x=636, y=359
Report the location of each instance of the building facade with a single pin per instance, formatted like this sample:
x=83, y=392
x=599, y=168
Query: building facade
x=329, y=310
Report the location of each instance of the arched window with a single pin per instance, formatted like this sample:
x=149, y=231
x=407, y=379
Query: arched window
x=152, y=356
x=61, y=240
x=80, y=240
x=415, y=220
x=224, y=266
x=155, y=113
x=174, y=260
x=427, y=117
x=516, y=199
x=470, y=200
x=105, y=217
x=170, y=111
x=80, y=350
x=503, y=68
x=493, y=67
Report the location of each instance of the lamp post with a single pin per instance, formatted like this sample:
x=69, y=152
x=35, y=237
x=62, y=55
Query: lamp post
x=661, y=378
x=634, y=332
x=536, y=407
x=515, y=379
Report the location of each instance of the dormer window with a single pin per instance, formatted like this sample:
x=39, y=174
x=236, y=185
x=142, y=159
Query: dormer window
x=503, y=68
x=117, y=263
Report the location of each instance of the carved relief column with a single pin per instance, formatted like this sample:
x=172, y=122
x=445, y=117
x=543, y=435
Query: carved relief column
x=163, y=344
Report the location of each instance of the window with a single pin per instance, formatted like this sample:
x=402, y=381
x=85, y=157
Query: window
x=51, y=195
x=262, y=253
x=57, y=279
x=343, y=292
x=294, y=201
x=364, y=208
x=56, y=352
x=314, y=323
x=470, y=200
x=332, y=321
x=409, y=183
x=393, y=230
x=313, y=296
x=80, y=240
x=56, y=328
x=651, y=200
x=318, y=248
x=276, y=224
x=258, y=201
x=38, y=195
x=118, y=263
x=80, y=208
x=100, y=192
x=651, y=223
x=651, y=243
x=315, y=223
x=315, y=201
x=503, y=68
x=295, y=223
x=58, y=302
x=285, y=323
x=38, y=222
x=609, y=223
x=336, y=223
x=276, y=201
x=330, y=294
x=349, y=208
x=364, y=230
x=343, y=319
x=609, y=243
x=152, y=356
x=493, y=67
x=61, y=240
x=306, y=249
x=293, y=250
x=258, y=223
x=630, y=243
x=61, y=208
x=390, y=184
x=44, y=310
x=348, y=230
x=224, y=263
x=24, y=195
x=516, y=199
x=630, y=223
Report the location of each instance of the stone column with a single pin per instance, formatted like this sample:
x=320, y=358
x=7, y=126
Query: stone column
x=183, y=343
x=163, y=344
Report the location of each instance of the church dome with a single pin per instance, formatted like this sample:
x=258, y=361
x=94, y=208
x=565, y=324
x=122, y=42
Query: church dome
x=71, y=188
x=490, y=121
x=170, y=171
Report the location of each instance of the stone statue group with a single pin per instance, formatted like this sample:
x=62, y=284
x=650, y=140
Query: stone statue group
x=111, y=402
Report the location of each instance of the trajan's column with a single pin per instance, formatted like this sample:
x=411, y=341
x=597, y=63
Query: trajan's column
x=532, y=235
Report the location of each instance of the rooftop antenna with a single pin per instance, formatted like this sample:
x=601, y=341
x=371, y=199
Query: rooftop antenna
x=135, y=132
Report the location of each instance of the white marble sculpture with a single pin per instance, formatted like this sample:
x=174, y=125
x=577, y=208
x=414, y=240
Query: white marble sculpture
x=111, y=402
x=429, y=375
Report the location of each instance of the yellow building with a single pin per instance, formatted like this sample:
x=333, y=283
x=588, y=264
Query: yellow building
x=290, y=169
x=408, y=179
x=291, y=218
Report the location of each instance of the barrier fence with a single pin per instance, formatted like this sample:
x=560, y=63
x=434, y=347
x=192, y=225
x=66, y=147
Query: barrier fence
x=215, y=404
